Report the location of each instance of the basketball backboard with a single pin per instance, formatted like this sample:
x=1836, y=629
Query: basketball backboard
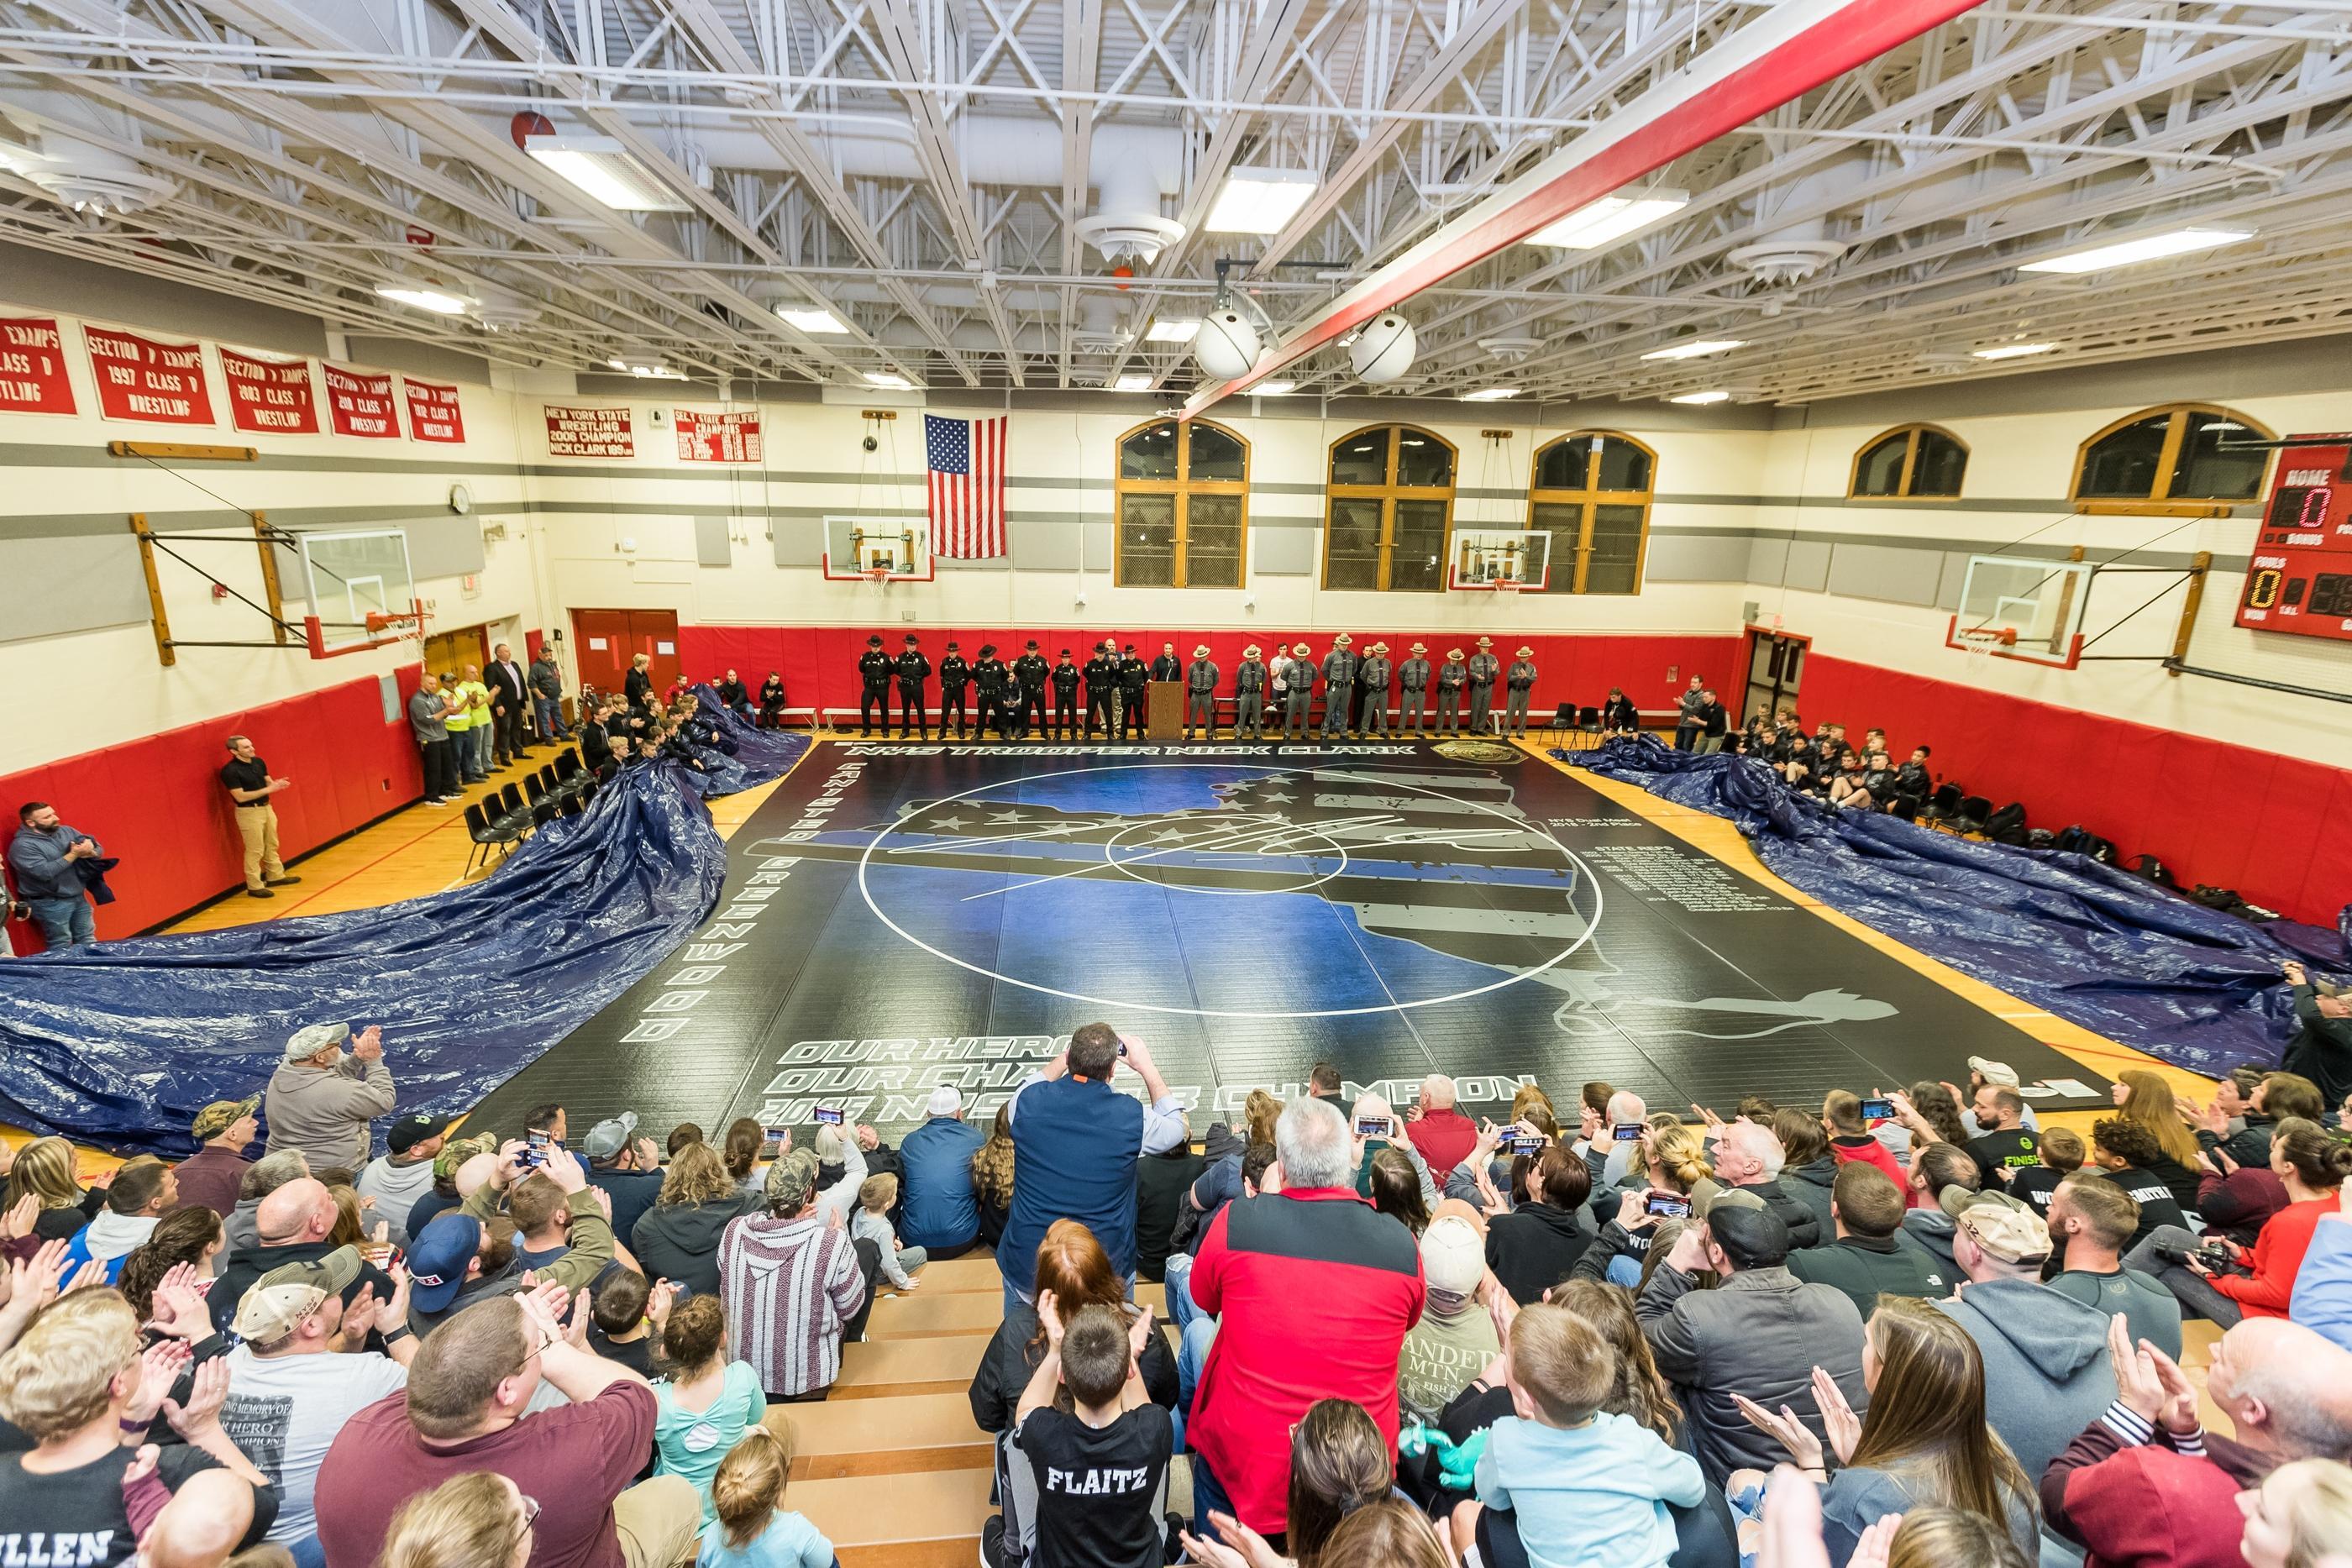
x=882, y=549
x=1487, y=560
x=2018, y=608
x=351, y=581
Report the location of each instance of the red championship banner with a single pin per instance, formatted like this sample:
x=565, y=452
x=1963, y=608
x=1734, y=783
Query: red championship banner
x=588, y=432
x=360, y=404
x=717, y=437
x=269, y=396
x=33, y=367
x=139, y=377
x=432, y=414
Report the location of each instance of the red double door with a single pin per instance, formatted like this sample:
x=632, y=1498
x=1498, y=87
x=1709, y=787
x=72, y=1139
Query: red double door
x=605, y=641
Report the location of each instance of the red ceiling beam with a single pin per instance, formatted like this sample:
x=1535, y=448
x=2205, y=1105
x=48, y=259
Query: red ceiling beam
x=1780, y=56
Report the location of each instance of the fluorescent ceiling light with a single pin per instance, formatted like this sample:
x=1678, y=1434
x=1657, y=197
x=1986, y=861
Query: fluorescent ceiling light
x=1274, y=389
x=886, y=380
x=812, y=320
x=1490, y=394
x=1167, y=331
x=433, y=299
x=2146, y=247
x=599, y=168
x=2010, y=350
x=1260, y=201
x=1702, y=397
x=1698, y=350
x=656, y=373
x=1610, y=218
x=1132, y=383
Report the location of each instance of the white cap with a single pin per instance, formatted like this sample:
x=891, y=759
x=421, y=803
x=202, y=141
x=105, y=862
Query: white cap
x=946, y=1100
x=314, y=1037
x=1453, y=1255
x=1991, y=1071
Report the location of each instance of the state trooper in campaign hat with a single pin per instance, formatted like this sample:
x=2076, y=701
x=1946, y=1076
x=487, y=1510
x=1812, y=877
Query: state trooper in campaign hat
x=1339, y=681
x=1519, y=687
x=1413, y=680
x=1298, y=695
x=1373, y=692
x=1484, y=670
x=1452, y=676
x=1201, y=678
x=1249, y=697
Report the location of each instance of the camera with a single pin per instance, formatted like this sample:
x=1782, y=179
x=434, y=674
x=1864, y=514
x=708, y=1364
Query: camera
x=2213, y=1254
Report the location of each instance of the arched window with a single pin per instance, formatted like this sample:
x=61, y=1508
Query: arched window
x=2172, y=461
x=1910, y=463
x=1591, y=494
x=1184, y=505
x=1391, y=509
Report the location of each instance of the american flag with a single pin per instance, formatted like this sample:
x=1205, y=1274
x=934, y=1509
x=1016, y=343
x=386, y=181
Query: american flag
x=966, y=458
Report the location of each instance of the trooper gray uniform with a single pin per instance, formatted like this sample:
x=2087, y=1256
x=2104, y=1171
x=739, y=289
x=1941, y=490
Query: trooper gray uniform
x=1451, y=675
x=1373, y=679
x=1483, y=668
x=1338, y=675
x=1200, y=693
x=1299, y=695
x=1412, y=679
x=1249, y=697
x=1519, y=681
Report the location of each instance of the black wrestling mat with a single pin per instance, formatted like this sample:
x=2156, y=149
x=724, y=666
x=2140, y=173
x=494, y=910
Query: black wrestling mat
x=902, y=916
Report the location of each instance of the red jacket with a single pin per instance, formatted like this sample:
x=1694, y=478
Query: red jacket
x=2278, y=1257
x=1315, y=1291
x=1871, y=1152
x=2149, y=1504
x=1444, y=1139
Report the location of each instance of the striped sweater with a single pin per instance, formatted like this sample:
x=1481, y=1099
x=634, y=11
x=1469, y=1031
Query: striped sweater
x=790, y=1286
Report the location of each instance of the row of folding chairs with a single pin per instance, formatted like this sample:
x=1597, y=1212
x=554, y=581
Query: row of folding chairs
x=502, y=819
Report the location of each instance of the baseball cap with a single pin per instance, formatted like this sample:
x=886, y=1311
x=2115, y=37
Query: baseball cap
x=609, y=1138
x=221, y=1115
x=945, y=1100
x=1751, y=1236
x=791, y=1180
x=314, y=1037
x=1991, y=1071
x=274, y=1304
x=1727, y=1197
x=2013, y=1235
x=1453, y=1256
x=410, y=1131
x=439, y=1257
x=457, y=1152
x=1956, y=1200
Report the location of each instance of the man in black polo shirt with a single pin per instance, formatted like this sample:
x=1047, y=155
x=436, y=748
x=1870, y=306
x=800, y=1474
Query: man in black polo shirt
x=246, y=778
x=2004, y=1146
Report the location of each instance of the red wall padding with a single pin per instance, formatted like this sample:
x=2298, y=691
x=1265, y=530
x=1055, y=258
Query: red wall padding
x=819, y=663
x=157, y=804
x=2277, y=829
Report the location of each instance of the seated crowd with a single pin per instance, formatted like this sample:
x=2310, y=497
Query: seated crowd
x=1816, y=1337
x=1828, y=767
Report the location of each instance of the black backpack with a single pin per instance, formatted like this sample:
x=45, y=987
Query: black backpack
x=2155, y=871
x=2007, y=826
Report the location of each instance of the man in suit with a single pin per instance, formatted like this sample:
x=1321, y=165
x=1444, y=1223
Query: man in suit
x=913, y=671
x=1413, y=680
x=510, y=685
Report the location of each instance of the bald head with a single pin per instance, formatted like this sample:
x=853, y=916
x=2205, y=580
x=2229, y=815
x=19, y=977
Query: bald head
x=201, y=1524
x=1625, y=1108
x=1437, y=1093
x=2288, y=1389
x=301, y=1211
x=475, y=1172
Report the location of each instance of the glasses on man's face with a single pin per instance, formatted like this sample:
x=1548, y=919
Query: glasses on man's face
x=529, y=1511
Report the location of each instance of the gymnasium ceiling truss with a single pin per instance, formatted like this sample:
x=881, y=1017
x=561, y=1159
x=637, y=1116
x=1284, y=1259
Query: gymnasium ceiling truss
x=941, y=178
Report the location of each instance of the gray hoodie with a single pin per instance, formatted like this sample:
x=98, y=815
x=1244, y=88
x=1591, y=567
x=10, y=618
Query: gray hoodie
x=113, y=1235
x=2045, y=1364
x=1930, y=1230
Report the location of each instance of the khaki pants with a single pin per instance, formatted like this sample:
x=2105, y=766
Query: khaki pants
x=258, y=826
x=657, y=1521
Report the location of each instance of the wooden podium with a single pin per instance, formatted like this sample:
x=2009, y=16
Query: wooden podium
x=1163, y=711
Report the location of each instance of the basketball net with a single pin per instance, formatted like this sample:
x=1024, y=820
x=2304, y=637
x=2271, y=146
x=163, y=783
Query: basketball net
x=1984, y=641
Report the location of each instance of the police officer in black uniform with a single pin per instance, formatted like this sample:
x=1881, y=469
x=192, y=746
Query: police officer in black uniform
x=875, y=669
x=1030, y=670
x=988, y=678
x=955, y=674
x=913, y=671
x=1064, y=677
x=1134, y=675
x=1102, y=690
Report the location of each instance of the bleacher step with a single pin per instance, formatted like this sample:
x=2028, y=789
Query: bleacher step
x=896, y=1520
x=895, y=1366
x=973, y=1312
x=895, y=1435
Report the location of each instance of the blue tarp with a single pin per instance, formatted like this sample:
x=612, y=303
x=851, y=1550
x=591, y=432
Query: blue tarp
x=120, y=1044
x=2092, y=944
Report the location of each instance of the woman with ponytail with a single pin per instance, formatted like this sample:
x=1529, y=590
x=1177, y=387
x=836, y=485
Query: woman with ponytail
x=2311, y=1165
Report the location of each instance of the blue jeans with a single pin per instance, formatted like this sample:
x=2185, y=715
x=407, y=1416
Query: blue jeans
x=1625, y=1269
x=1181, y=1309
x=548, y=712
x=1208, y=1497
x=482, y=734
x=64, y=922
x=1192, y=1355
x=308, y=1552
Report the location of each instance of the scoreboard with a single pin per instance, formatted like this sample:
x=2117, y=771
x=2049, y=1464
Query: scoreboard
x=2299, y=578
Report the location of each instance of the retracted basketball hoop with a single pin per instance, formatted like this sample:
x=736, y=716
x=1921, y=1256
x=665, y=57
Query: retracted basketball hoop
x=1984, y=640
x=330, y=640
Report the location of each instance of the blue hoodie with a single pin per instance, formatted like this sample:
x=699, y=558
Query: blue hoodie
x=2323, y=1286
x=1592, y=1496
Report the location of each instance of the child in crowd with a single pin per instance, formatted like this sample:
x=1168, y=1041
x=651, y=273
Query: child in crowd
x=1563, y=1483
x=876, y=1197
x=754, y=1530
x=2062, y=1154
x=622, y=1317
x=1102, y=1468
x=706, y=1403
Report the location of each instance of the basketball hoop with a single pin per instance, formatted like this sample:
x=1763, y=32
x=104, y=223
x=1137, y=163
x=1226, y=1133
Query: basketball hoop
x=380, y=629
x=1984, y=641
x=879, y=576
x=1510, y=585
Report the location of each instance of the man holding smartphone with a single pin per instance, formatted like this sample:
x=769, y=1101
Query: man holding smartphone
x=2321, y=1048
x=1076, y=1141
